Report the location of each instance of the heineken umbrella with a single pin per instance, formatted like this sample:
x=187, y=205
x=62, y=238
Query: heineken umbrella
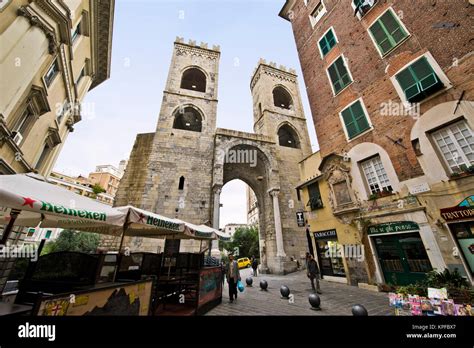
x=142, y=223
x=29, y=200
x=205, y=232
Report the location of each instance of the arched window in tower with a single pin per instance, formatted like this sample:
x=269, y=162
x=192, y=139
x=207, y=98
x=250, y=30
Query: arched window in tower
x=282, y=98
x=194, y=79
x=181, y=183
x=287, y=137
x=188, y=119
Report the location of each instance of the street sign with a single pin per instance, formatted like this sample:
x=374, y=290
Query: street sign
x=300, y=218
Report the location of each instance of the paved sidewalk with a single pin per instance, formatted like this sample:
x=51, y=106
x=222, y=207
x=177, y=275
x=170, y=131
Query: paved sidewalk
x=336, y=298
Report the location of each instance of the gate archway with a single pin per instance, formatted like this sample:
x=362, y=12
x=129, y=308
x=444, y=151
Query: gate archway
x=254, y=163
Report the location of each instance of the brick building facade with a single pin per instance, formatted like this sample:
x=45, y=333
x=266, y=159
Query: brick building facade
x=390, y=88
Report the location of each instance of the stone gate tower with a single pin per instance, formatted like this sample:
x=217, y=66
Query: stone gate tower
x=278, y=114
x=177, y=182
x=180, y=169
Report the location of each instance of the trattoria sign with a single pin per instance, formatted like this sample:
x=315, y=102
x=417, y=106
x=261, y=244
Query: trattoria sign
x=457, y=213
x=393, y=227
x=463, y=211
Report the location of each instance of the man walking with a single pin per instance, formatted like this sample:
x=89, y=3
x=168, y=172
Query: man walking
x=233, y=276
x=254, y=266
x=313, y=273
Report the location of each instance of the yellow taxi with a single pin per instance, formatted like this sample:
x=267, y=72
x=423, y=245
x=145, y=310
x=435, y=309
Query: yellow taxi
x=244, y=262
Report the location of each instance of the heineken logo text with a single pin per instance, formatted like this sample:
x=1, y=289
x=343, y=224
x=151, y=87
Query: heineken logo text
x=58, y=209
x=161, y=223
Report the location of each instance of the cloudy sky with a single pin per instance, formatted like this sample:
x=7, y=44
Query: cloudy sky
x=129, y=102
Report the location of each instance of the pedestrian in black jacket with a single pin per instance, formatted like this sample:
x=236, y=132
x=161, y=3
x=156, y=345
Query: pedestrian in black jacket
x=313, y=273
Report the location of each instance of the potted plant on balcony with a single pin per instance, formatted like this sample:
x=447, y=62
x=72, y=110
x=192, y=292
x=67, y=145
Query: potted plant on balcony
x=385, y=192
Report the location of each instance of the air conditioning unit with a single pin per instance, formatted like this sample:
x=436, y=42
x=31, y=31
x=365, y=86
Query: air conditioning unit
x=17, y=137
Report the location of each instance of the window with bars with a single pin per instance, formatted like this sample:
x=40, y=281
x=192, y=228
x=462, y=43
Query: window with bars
x=388, y=32
x=315, y=201
x=375, y=175
x=339, y=75
x=355, y=120
x=317, y=13
x=363, y=6
x=456, y=144
x=327, y=42
x=419, y=81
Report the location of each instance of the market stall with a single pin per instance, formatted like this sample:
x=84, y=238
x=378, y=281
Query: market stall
x=29, y=200
x=162, y=282
x=186, y=284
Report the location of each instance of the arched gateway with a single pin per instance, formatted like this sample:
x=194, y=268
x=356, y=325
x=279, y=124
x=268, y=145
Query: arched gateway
x=180, y=169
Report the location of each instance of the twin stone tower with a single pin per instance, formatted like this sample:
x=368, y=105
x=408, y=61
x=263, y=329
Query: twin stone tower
x=179, y=170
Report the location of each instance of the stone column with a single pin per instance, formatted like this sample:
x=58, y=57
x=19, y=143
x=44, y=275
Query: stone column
x=276, y=215
x=217, y=189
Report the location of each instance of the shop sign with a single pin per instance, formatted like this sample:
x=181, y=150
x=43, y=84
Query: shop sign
x=393, y=227
x=300, y=218
x=464, y=210
x=329, y=234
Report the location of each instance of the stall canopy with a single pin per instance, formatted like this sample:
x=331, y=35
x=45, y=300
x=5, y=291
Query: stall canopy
x=143, y=223
x=53, y=206
x=203, y=231
x=38, y=201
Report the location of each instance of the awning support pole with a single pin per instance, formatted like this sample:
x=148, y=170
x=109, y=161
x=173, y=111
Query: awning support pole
x=119, y=255
x=8, y=229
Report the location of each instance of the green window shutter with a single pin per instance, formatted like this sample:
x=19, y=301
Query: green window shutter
x=324, y=46
x=334, y=77
x=387, y=32
x=425, y=74
x=343, y=72
x=419, y=80
x=393, y=27
x=339, y=75
x=355, y=120
x=359, y=116
x=327, y=42
x=349, y=122
x=381, y=37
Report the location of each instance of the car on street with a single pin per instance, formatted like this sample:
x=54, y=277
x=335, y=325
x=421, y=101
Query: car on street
x=244, y=262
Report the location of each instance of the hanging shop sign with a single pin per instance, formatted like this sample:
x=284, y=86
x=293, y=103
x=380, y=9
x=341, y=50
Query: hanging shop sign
x=300, y=218
x=393, y=227
x=463, y=211
x=325, y=235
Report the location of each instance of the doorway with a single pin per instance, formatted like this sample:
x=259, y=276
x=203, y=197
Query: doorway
x=402, y=258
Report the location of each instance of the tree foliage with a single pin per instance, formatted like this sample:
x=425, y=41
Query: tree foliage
x=97, y=189
x=70, y=240
x=245, y=242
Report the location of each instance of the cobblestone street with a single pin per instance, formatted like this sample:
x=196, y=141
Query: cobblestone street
x=336, y=299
